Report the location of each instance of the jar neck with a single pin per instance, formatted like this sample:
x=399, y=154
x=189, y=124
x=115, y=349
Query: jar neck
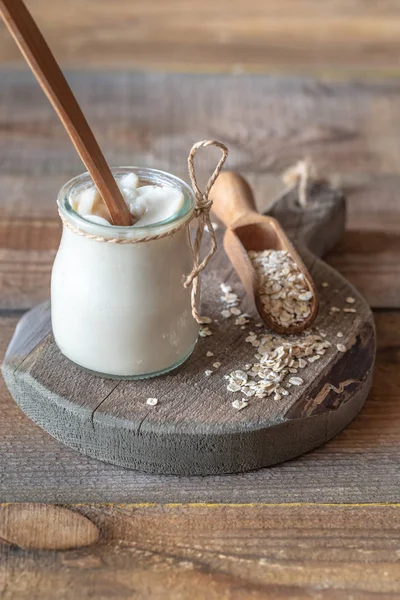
x=136, y=232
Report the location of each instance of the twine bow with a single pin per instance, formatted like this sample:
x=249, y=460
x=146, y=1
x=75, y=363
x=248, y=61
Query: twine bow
x=202, y=213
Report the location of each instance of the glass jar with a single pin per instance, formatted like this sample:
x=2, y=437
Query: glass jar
x=121, y=310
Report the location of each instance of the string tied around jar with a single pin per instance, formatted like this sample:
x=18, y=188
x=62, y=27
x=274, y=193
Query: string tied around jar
x=202, y=213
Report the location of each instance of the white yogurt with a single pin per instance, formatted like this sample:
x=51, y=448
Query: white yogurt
x=121, y=309
x=148, y=204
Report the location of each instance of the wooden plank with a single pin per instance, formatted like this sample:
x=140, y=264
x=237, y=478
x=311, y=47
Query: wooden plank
x=194, y=430
x=359, y=465
x=303, y=36
x=45, y=527
x=219, y=551
x=367, y=256
x=349, y=130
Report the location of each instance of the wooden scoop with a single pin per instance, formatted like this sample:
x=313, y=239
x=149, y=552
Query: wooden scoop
x=49, y=75
x=233, y=203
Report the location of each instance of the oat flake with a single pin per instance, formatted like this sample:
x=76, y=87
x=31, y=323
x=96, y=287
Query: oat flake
x=240, y=404
x=152, y=401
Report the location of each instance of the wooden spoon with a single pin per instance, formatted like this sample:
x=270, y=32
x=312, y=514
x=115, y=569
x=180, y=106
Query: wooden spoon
x=46, y=70
x=233, y=203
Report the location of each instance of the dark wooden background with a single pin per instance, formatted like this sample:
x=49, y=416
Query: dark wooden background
x=326, y=525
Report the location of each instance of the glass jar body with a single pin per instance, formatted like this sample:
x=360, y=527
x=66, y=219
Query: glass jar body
x=121, y=310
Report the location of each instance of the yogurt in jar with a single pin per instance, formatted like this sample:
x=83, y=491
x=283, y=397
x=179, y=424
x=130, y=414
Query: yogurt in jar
x=148, y=204
x=120, y=309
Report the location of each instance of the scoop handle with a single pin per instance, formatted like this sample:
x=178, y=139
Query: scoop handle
x=232, y=198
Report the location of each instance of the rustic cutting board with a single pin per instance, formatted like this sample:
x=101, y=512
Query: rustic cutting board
x=194, y=430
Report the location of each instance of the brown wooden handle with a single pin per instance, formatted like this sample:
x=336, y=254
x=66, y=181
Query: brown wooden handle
x=49, y=75
x=232, y=197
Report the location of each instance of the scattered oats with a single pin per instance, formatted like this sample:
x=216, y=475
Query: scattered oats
x=277, y=360
x=235, y=311
x=249, y=393
x=239, y=404
x=152, y=401
x=216, y=365
x=341, y=347
x=350, y=300
x=243, y=327
x=240, y=376
x=208, y=372
x=339, y=334
x=259, y=324
x=284, y=293
x=233, y=387
x=349, y=310
x=241, y=320
x=334, y=309
x=205, y=331
x=231, y=299
x=226, y=313
x=205, y=320
x=296, y=381
x=312, y=359
x=209, y=353
x=325, y=284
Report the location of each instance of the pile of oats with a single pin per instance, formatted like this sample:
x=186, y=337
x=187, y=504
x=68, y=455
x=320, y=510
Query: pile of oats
x=278, y=360
x=283, y=288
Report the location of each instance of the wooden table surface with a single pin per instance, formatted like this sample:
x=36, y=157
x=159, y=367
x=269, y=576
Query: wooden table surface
x=324, y=526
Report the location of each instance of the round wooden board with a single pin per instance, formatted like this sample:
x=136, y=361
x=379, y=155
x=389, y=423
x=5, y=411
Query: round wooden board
x=194, y=430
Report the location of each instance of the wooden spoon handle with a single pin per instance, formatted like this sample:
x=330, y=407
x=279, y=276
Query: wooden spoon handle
x=232, y=197
x=49, y=75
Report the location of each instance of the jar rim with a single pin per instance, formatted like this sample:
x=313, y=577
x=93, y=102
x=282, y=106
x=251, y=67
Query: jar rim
x=146, y=174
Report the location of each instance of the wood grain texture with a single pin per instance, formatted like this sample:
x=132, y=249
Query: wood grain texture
x=194, y=430
x=338, y=38
x=185, y=552
x=45, y=527
x=351, y=131
x=359, y=465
